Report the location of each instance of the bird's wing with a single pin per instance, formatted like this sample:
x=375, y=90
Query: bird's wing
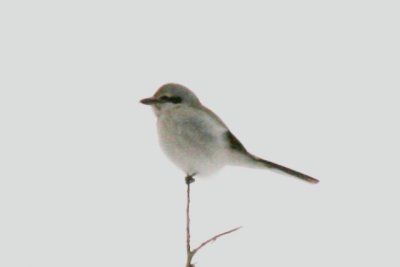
x=234, y=143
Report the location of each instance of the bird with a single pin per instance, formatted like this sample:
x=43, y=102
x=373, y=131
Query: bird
x=197, y=141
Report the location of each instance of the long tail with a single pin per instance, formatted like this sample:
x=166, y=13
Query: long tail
x=286, y=170
x=235, y=145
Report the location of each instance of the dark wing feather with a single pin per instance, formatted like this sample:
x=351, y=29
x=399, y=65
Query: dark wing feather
x=234, y=143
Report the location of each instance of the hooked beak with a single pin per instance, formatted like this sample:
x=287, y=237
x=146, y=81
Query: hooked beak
x=149, y=101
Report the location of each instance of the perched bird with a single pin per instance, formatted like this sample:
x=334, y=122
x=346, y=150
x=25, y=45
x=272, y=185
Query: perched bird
x=197, y=140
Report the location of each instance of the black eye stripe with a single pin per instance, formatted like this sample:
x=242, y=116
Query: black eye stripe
x=171, y=99
x=175, y=99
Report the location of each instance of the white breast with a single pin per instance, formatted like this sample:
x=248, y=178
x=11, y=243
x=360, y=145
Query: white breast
x=193, y=140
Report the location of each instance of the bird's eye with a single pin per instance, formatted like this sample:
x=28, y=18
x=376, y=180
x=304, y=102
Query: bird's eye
x=164, y=97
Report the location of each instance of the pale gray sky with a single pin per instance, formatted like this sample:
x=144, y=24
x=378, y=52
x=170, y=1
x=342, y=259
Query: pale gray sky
x=313, y=85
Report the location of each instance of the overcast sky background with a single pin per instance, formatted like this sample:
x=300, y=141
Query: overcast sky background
x=313, y=85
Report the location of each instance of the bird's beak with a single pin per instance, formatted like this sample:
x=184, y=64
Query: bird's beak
x=149, y=101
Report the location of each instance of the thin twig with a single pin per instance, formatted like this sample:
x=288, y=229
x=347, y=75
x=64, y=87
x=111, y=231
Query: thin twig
x=214, y=238
x=190, y=253
x=188, y=250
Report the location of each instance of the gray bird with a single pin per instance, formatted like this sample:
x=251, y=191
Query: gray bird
x=197, y=140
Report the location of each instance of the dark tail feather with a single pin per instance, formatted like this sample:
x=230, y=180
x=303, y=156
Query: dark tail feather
x=238, y=147
x=284, y=169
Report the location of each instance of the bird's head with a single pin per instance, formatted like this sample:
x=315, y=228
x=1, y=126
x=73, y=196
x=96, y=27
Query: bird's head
x=169, y=96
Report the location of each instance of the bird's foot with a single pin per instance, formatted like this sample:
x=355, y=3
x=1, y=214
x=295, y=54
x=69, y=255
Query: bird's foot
x=189, y=179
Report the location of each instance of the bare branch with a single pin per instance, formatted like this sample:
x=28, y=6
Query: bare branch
x=190, y=253
x=214, y=238
x=188, y=250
